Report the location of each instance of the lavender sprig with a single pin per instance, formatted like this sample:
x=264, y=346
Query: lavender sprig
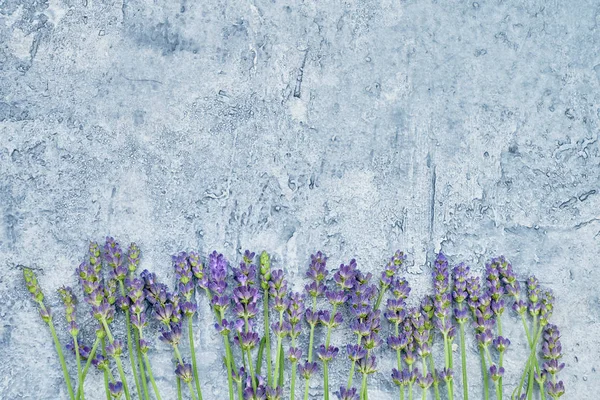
x=215, y=286
x=317, y=272
x=113, y=258
x=183, y=265
x=278, y=291
x=69, y=300
x=460, y=274
x=442, y=305
x=265, y=277
x=294, y=314
x=245, y=297
x=396, y=315
x=36, y=292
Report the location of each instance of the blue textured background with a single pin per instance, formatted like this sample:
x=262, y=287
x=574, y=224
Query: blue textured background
x=354, y=127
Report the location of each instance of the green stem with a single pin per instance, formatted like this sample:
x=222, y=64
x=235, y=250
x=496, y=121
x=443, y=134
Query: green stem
x=228, y=353
x=277, y=357
x=130, y=345
x=192, y=393
x=410, y=384
x=61, y=357
x=152, y=381
x=228, y=359
x=87, y=367
x=447, y=357
x=484, y=374
x=193, y=354
x=310, y=346
x=380, y=297
x=306, y=390
x=138, y=352
x=528, y=364
x=79, y=373
x=106, y=389
x=501, y=361
x=351, y=376
x=293, y=383
x=105, y=369
x=259, y=357
x=325, y=381
x=239, y=389
x=267, y=335
x=363, y=387
x=531, y=367
x=117, y=360
x=251, y=370
x=463, y=357
x=436, y=388
x=281, y=363
x=179, y=395
x=498, y=391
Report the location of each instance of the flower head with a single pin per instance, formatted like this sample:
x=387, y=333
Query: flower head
x=327, y=354
x=307, y=369
x=115, y=389
x=347, y=394
x=184, y=372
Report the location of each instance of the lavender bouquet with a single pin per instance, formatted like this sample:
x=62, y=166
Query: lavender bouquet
x=255, y=342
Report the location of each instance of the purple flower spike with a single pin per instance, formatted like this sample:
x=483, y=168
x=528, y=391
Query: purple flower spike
x=496, y=372
x=317, y=270
x=367, y=365
x=113, y=257
x=446, y=375
x=247, y=340
x=100, y=362
x=398, y=342
x=218, y=273
x=501, y=344
x=115, y=349
x=115, y=389
x=274, y=393
x=294, y=354
x=347, y=394
x=307, y=369
x=171, y=337
x=336, y=297
x=355, y=352
x=555, y=390
x=184, y=372
x=344, y=278
x=327, y=354
x=426, y=381
x=402, y=378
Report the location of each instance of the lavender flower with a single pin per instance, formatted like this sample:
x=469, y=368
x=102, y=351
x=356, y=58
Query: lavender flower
x=115, y=389
x=184, y=372
x=307, y=369
x=327, y=354
x=173, y=336
x=347, y=394
x=113, y=258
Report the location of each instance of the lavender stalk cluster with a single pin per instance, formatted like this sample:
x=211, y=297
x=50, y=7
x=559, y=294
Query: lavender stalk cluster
x=344, y=299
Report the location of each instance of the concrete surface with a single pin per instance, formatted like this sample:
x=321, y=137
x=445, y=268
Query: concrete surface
x=354, y=127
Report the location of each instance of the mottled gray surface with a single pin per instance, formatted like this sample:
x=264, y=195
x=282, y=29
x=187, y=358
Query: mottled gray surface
x=352, y=127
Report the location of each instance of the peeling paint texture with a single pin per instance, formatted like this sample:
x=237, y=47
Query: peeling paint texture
x=355, y=127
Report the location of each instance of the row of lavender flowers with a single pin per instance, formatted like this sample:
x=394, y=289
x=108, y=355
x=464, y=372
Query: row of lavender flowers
x=459, y=297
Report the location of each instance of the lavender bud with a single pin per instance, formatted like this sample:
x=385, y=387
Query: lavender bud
x=307, y=369
x=115, y=389
x=294, y=354
x=327, y=354
x=184, y=372
x=347, y=394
